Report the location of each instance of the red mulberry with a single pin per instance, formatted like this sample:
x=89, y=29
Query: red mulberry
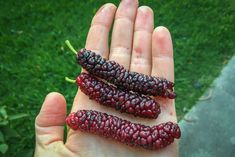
x=122, y=78
x=125, y=101
x=124, y=131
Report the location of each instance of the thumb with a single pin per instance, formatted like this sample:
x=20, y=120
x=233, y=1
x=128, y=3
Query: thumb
x=49, y=124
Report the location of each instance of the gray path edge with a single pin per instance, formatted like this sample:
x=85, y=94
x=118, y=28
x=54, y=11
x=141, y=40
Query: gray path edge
x=208, y=129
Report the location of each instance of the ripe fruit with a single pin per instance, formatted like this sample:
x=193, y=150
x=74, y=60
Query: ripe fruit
x=125, y=101
x=124, y=131
x=121, y=77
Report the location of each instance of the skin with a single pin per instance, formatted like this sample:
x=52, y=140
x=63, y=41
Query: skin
x=136, y=45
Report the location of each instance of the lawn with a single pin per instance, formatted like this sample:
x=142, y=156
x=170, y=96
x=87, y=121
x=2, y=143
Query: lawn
x=34, y=59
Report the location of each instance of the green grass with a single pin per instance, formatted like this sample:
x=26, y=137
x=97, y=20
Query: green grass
x=34, y=59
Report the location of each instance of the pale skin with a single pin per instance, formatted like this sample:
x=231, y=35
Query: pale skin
x=137, y=46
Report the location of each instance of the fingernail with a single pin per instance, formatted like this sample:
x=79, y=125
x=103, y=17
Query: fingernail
x=144, y=9
x=103, y=9
x=161, y=28
x=128, y=2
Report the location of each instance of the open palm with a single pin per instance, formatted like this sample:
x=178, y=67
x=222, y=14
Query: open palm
x=137, y=46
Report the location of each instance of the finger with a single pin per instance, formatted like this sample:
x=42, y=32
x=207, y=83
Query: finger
x=49, y=123
x=97, y=38
x=141, y=53
x=121, y=45
x=163, y=66
x=162, y=54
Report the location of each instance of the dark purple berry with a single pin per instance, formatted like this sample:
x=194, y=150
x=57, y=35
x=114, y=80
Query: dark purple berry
x=125, y=101
x=124, y=131
x=122, y=78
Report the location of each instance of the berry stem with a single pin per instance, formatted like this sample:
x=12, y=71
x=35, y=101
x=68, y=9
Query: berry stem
x=70, y=80
x=70, y=46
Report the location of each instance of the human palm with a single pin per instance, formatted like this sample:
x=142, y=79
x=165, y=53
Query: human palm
x=138, y=47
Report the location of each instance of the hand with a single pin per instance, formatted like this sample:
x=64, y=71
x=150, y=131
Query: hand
x=137, y=46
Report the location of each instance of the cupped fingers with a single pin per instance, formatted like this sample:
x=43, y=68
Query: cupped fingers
x=141, y=53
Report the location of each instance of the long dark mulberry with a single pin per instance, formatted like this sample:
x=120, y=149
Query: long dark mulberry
x=125, y=101
x=122, y=78
x=124, y=131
